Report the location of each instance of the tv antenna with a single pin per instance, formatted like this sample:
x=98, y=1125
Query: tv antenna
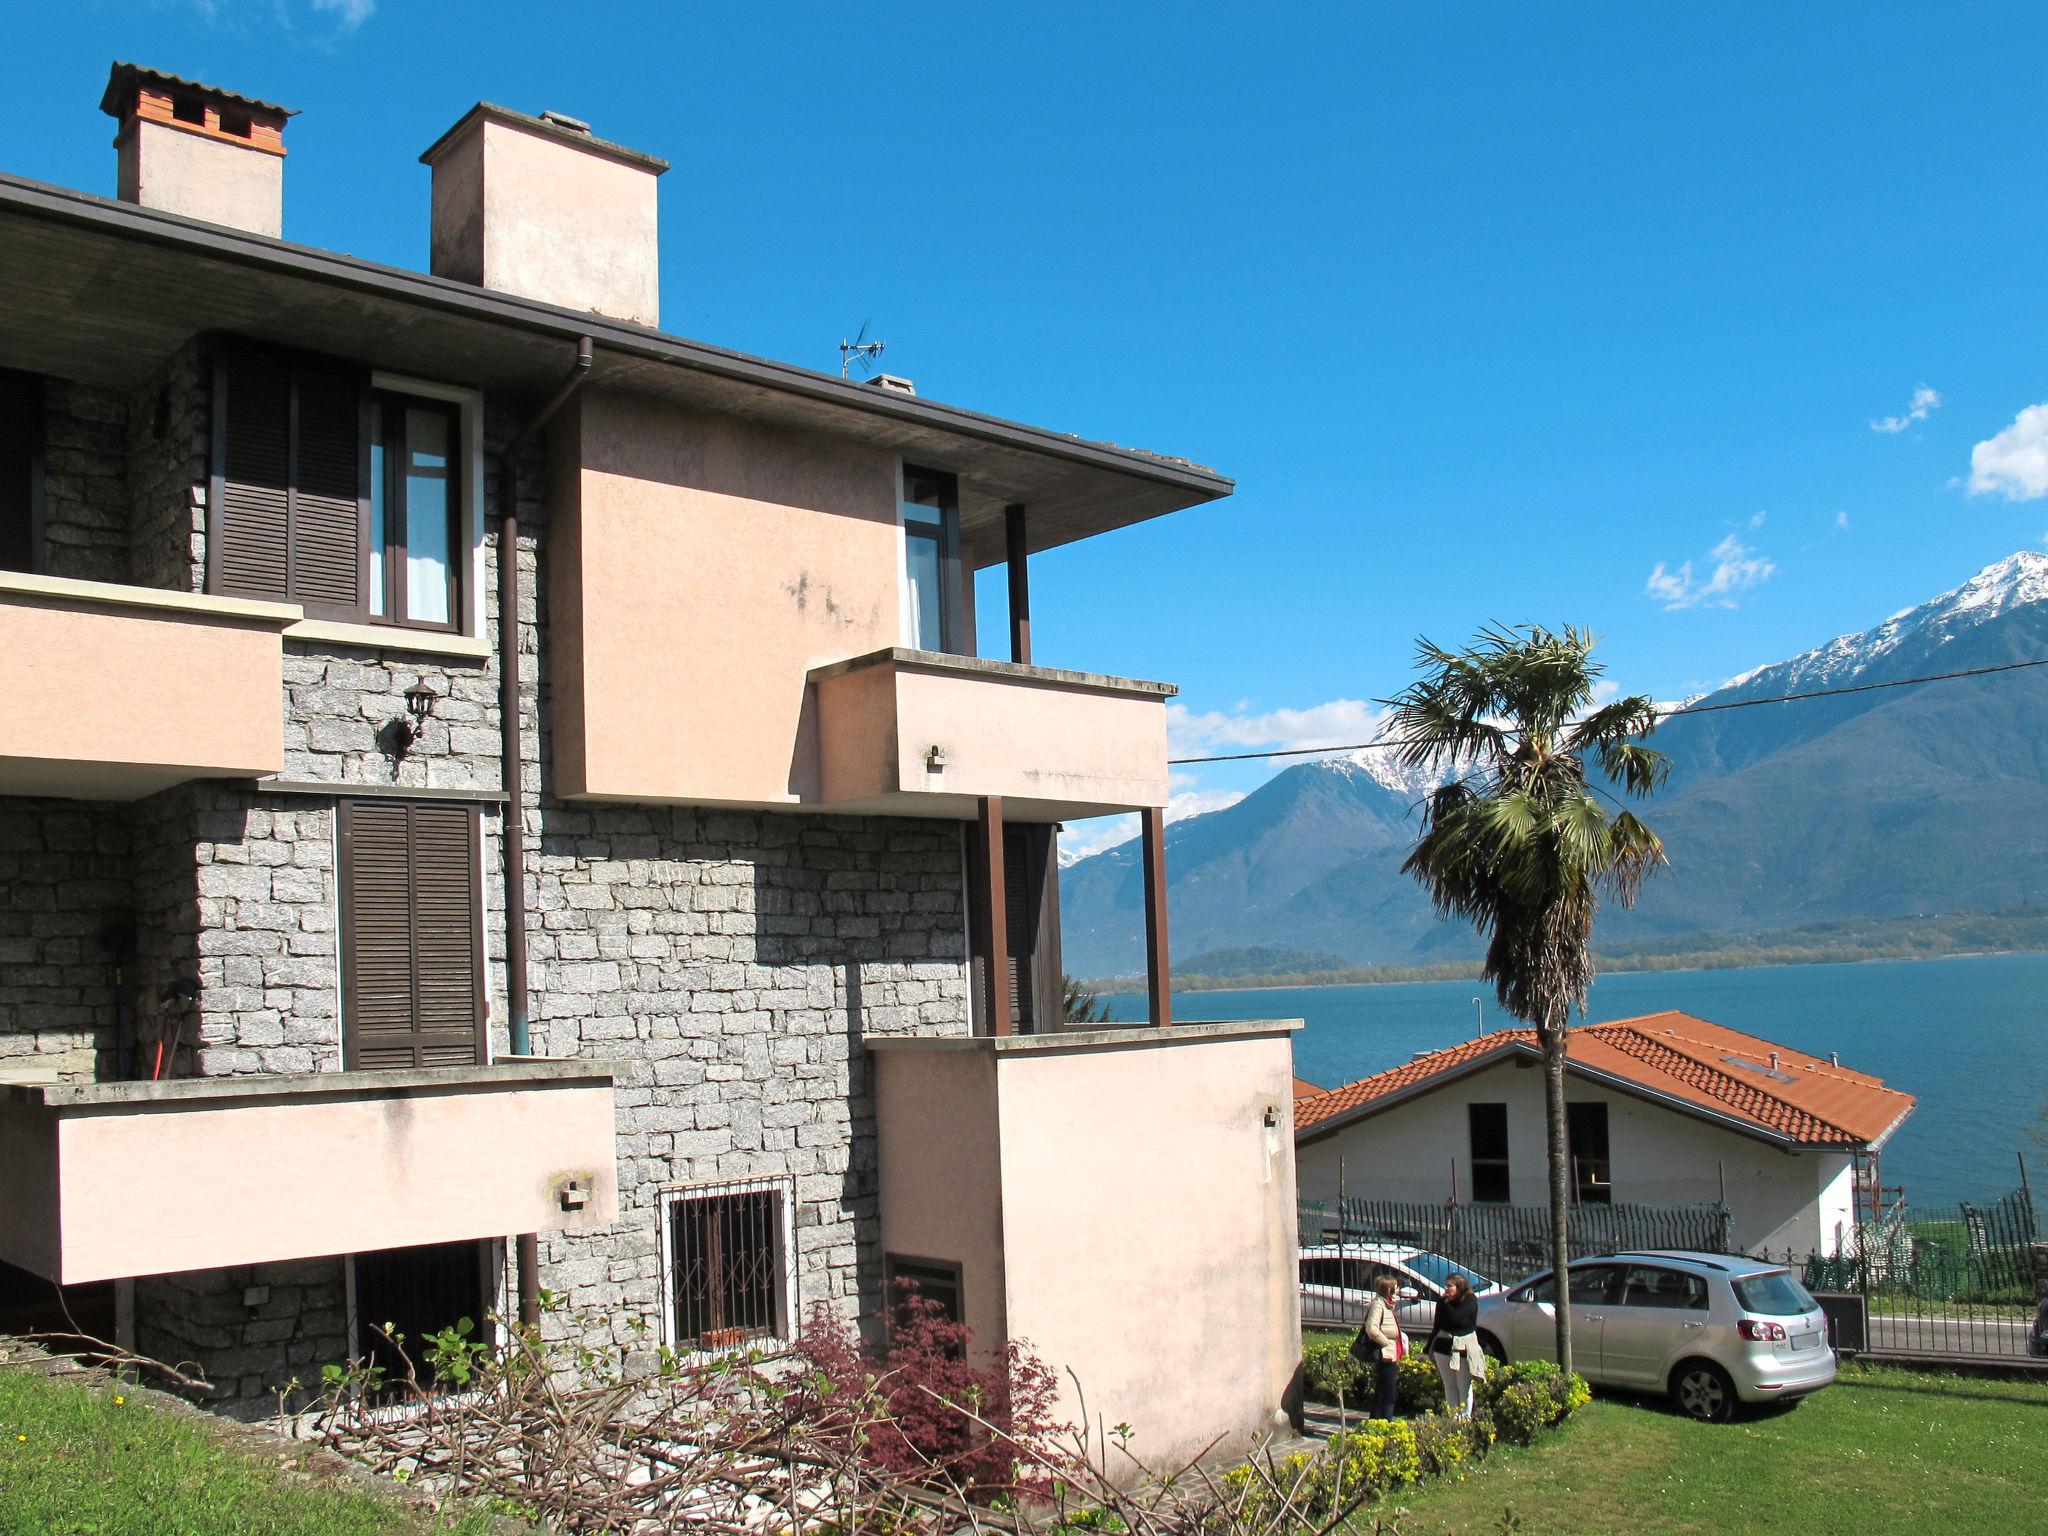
x=867, y=352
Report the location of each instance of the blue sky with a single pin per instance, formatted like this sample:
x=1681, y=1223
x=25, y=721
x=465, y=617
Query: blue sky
x=1495, y=312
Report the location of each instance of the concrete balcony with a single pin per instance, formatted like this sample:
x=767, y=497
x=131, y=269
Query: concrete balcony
x=115, y=692
x=1032, y=1167
x=109, y=1180
x=906, y=732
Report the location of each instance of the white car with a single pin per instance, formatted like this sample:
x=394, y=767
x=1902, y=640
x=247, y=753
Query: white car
x=1336, y=1283
x=1709, y=1329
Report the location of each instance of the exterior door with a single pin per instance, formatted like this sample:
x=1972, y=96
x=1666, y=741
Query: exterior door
x=412, y=939
x=1536, y=1325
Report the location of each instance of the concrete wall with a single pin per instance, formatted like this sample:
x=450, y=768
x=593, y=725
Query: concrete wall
x=1407, y=1153
x=705, y=567
x=1147, y=1215
x=200, y=177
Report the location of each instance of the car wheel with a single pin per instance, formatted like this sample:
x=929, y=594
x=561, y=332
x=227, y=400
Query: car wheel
x=1704, y=1391
x=1489, y=1346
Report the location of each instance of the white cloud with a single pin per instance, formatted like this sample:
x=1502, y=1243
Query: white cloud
x=1841, y=520
x=350, y=13
x=1756, y=519
x=1924, y=400
x=2015, y=462
x=1730, y=567
x=1339, y=722
x=1079, y=839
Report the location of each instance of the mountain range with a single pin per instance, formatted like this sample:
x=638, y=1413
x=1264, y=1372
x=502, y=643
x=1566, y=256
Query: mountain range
x=1889, y=804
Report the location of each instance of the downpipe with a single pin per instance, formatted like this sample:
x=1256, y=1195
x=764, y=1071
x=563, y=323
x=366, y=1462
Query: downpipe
x=512, y=752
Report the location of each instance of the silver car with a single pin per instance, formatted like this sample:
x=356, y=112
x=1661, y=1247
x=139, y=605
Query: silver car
x=1711, y=1330
x=1337, y=1280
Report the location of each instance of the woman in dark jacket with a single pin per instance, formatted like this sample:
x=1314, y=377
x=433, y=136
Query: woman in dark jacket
x=1453, y=1346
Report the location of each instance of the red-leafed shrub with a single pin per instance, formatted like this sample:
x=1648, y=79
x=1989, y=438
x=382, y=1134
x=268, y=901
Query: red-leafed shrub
x=923, y=1406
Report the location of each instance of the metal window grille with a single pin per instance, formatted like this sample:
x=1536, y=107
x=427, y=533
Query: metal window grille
x=726, y=1250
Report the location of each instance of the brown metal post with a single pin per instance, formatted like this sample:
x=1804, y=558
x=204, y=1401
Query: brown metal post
x=992, y=914
x=1158, y=968
x=1020, y=584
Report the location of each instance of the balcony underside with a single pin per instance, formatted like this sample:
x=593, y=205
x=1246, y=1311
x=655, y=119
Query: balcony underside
x=109, y=1180
x=903, y=732
x=114, y=692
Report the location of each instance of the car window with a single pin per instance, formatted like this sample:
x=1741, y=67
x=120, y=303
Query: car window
x=1436, y=1270
x=1592, y=1284
x=1318, y=1271
x=1776, y=1294
x=1648, y=1287
x=1359, y=1274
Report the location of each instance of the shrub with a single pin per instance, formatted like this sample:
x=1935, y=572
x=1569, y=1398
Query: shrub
x=1529, y=1395
x=1445, y=1447
x=1418, y=1388
x=1521, y=1409
x=1327, y=1369
x=925, y=1379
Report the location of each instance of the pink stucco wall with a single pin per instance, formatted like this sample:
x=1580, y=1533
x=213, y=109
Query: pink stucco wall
x=115, y=692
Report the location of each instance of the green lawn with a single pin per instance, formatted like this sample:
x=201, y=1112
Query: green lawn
x=1884, y=1450
x=94, y=1461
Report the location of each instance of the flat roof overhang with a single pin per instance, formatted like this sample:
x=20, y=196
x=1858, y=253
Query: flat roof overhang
x=104, y=292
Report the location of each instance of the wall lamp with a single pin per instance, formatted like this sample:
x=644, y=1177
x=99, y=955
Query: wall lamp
x=419, y=703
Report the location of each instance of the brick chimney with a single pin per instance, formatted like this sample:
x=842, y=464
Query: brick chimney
x=198, y=150
x=542, y=207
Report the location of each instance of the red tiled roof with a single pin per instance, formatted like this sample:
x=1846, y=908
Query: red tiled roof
x=1803, y=1098
x=1304, y=1089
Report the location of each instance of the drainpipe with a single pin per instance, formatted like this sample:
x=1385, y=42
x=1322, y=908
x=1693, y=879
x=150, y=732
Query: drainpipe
x=526, y=1247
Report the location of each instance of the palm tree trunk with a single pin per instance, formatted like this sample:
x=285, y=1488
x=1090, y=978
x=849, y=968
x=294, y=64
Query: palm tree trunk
x=1552, y=1036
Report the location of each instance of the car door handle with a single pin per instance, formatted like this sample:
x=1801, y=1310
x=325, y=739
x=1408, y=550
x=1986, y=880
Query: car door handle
x=1694, y=1327
x=1592, y=1319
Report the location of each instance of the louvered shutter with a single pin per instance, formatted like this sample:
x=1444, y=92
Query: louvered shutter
x=412, y=952
x=249, y=534
x=329, y=474
x=1020, y=910
x=290, y=480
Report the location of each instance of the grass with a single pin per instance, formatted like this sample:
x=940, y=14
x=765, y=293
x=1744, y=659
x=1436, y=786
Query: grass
x=1884, y=1451
x=80, y=1460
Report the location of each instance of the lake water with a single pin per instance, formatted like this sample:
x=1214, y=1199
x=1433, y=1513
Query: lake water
x=1968, y=1037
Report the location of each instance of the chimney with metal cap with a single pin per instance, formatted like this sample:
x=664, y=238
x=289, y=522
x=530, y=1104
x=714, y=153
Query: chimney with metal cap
x=540, y=206
x=198, y=150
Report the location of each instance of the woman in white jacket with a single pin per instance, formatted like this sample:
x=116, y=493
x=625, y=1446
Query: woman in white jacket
x=1379, y=1345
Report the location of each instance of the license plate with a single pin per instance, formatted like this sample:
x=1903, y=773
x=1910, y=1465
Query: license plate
x=1805, y=1341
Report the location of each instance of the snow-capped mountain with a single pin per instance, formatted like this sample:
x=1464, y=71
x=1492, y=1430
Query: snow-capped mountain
x=1879, y=805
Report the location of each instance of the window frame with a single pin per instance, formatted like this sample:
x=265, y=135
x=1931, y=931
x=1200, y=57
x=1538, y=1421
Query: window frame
x=385, y=404
x=952, y=625
x=1592, y=1176
x=466, y=555
x=669, y=1199
x=1630, y=1292
x=893, y=1267
x=1500, y=1165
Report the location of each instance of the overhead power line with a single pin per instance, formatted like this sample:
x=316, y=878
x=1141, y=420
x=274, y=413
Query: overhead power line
x=1662, y=714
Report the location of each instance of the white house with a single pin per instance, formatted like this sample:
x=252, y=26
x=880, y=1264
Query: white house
x=1666, y=1107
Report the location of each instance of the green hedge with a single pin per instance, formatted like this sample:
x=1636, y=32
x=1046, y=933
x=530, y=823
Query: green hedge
x=1514, y=1403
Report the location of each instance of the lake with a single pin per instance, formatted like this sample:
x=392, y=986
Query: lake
x=1967, y=1036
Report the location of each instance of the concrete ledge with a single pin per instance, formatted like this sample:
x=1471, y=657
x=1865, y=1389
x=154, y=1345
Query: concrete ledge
x=1090, y=1039
x=71, y=593
x=979, y=666
x=308, y=1085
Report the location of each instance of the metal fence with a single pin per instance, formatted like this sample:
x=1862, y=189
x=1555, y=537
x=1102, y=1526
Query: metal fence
x=1506, y=1242
x=1957, y=1282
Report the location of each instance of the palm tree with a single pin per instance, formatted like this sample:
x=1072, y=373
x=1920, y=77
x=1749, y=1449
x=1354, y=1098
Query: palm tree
x=1517, y=841
x=1080, y=1004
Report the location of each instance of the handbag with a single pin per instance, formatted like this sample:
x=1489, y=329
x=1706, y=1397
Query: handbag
x=1440, y=1344
x=1400, y=1346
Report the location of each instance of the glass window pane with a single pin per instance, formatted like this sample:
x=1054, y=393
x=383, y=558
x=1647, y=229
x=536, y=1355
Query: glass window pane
x=429, y=516
x=922, y=627
x=380, y=524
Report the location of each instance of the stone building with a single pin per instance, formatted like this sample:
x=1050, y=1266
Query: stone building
x=496, y=796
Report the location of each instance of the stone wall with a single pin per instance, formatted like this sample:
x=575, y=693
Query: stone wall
x=250, y=1330
x=85, y=483
x=64, y=896
x=168, y=441
x=732, y=963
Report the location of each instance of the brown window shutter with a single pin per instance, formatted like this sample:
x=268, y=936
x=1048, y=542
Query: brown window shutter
x=330, y=474
x=412, y=952
x=290, y=484
x=249, y=501
x=1020, y=911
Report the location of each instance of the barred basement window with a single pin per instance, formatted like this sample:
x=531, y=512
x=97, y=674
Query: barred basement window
x=728, y=1257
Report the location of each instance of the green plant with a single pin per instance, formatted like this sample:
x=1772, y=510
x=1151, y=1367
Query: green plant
x=1516, y=842
x=1080, y=1003
x=1520, y=1410
x=1446, y=1447
x=1330, y=1372
x=1418, y=1389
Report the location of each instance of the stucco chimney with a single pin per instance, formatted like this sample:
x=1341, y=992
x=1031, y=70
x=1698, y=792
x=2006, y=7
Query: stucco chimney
x=541, y=206
x=197, y=150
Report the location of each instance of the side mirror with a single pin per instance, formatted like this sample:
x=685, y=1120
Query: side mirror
x=1409, y=1293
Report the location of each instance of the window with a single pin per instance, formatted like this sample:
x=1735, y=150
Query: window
x=936, y=1280
x=1593, y=1285
x=726, y=1253
x=418, y=1292
x=1775, y=1294
x=1649, y=1287
x=415, y=514
x=336, y=493
x=412, y=982
x=931, y=561
x=21, y=472
x=1586, y=1135
x=1488, y=1124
